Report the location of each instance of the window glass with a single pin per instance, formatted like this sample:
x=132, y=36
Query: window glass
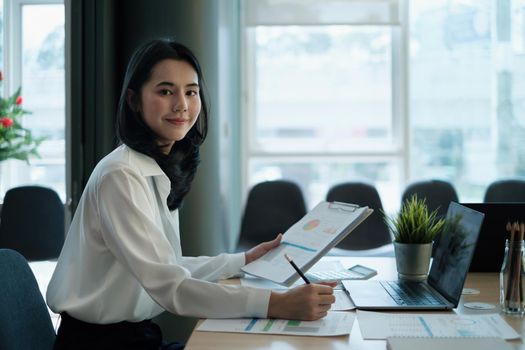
x=322, y=88
x=43, y=91
x=467, y=75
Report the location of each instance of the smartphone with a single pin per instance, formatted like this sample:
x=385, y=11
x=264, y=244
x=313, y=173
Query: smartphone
x=356, y=272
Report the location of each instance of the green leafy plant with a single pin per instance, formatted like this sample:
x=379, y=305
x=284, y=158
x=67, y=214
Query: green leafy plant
x=16, y=141
x=414, y=223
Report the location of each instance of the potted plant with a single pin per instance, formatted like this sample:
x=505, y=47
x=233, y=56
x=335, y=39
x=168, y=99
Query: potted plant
x=414, y=230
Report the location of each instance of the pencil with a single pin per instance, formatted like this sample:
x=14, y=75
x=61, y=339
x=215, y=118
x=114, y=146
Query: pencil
x=297, y=269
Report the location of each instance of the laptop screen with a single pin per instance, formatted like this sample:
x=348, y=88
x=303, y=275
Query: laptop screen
x=454, y=251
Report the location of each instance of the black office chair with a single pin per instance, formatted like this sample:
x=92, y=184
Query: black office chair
x=25, y=322
x=32, y=222
x=372, y=233
x=438, y=195
x=508, y=191
x=271, y=208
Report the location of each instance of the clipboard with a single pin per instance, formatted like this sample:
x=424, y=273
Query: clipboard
x=308, y=240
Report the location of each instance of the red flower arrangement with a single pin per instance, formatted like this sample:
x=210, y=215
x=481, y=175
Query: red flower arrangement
x=15, y=141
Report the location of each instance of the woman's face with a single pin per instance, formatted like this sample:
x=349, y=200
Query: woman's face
x=170, y=102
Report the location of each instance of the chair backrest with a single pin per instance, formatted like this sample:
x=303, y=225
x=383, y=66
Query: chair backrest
x=509, y=191
x=373, y=232
x=32, y=222
x=438, y=195
x=271, y=208
x=24, y=319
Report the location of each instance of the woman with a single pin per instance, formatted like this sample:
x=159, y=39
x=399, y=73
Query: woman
x=122, y=264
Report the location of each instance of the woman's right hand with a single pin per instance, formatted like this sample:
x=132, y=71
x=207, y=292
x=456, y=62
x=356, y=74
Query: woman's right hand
x=308, y=302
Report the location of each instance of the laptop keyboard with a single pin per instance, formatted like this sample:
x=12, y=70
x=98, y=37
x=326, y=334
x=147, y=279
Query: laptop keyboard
x=410, y=293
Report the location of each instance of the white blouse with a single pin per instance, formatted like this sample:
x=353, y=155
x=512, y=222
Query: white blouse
x=122, y=259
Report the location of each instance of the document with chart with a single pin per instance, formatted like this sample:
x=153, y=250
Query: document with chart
x=308, y=240
x=380, y=325
x=335, y=323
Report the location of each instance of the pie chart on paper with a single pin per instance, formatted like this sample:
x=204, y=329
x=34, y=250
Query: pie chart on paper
x=311, y=225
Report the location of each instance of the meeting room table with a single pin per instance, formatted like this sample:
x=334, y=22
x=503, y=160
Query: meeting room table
x=486, y=283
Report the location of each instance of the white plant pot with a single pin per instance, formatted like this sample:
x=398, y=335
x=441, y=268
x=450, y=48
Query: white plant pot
x=412, y=260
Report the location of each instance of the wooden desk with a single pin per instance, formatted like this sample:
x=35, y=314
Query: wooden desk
x=486, y=283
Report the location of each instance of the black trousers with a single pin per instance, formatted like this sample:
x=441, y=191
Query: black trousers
x=74, y=334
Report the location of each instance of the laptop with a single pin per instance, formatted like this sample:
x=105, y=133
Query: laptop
x=449, y=269
x=490, y=249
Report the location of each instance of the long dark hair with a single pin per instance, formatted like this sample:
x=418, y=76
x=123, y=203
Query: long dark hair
x=181, y=163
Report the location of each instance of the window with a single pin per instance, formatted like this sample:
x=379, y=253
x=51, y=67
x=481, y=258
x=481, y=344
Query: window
x=384, y=91
x=467, y=96
x=320, y=95
x=33, y=57
x=322, y=88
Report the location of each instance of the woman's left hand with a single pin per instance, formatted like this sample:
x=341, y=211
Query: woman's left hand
x=261, y=249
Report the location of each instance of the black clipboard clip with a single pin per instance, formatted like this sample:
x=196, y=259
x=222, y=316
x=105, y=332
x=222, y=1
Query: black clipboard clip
x=345, y=207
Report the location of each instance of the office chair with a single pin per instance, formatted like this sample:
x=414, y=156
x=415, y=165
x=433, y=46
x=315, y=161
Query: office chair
x=24, y=319
x=271, y=208
x=373, y=233
x=32, y=222
x=438, y=195
x=509, y=191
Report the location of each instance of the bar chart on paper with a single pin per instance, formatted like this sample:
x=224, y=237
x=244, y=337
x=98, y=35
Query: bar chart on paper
x=335, y=323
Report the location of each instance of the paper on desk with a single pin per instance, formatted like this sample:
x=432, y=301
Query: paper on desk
x=342, y=300
x=335, y=323
x=378, y=325
x=256, y=282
